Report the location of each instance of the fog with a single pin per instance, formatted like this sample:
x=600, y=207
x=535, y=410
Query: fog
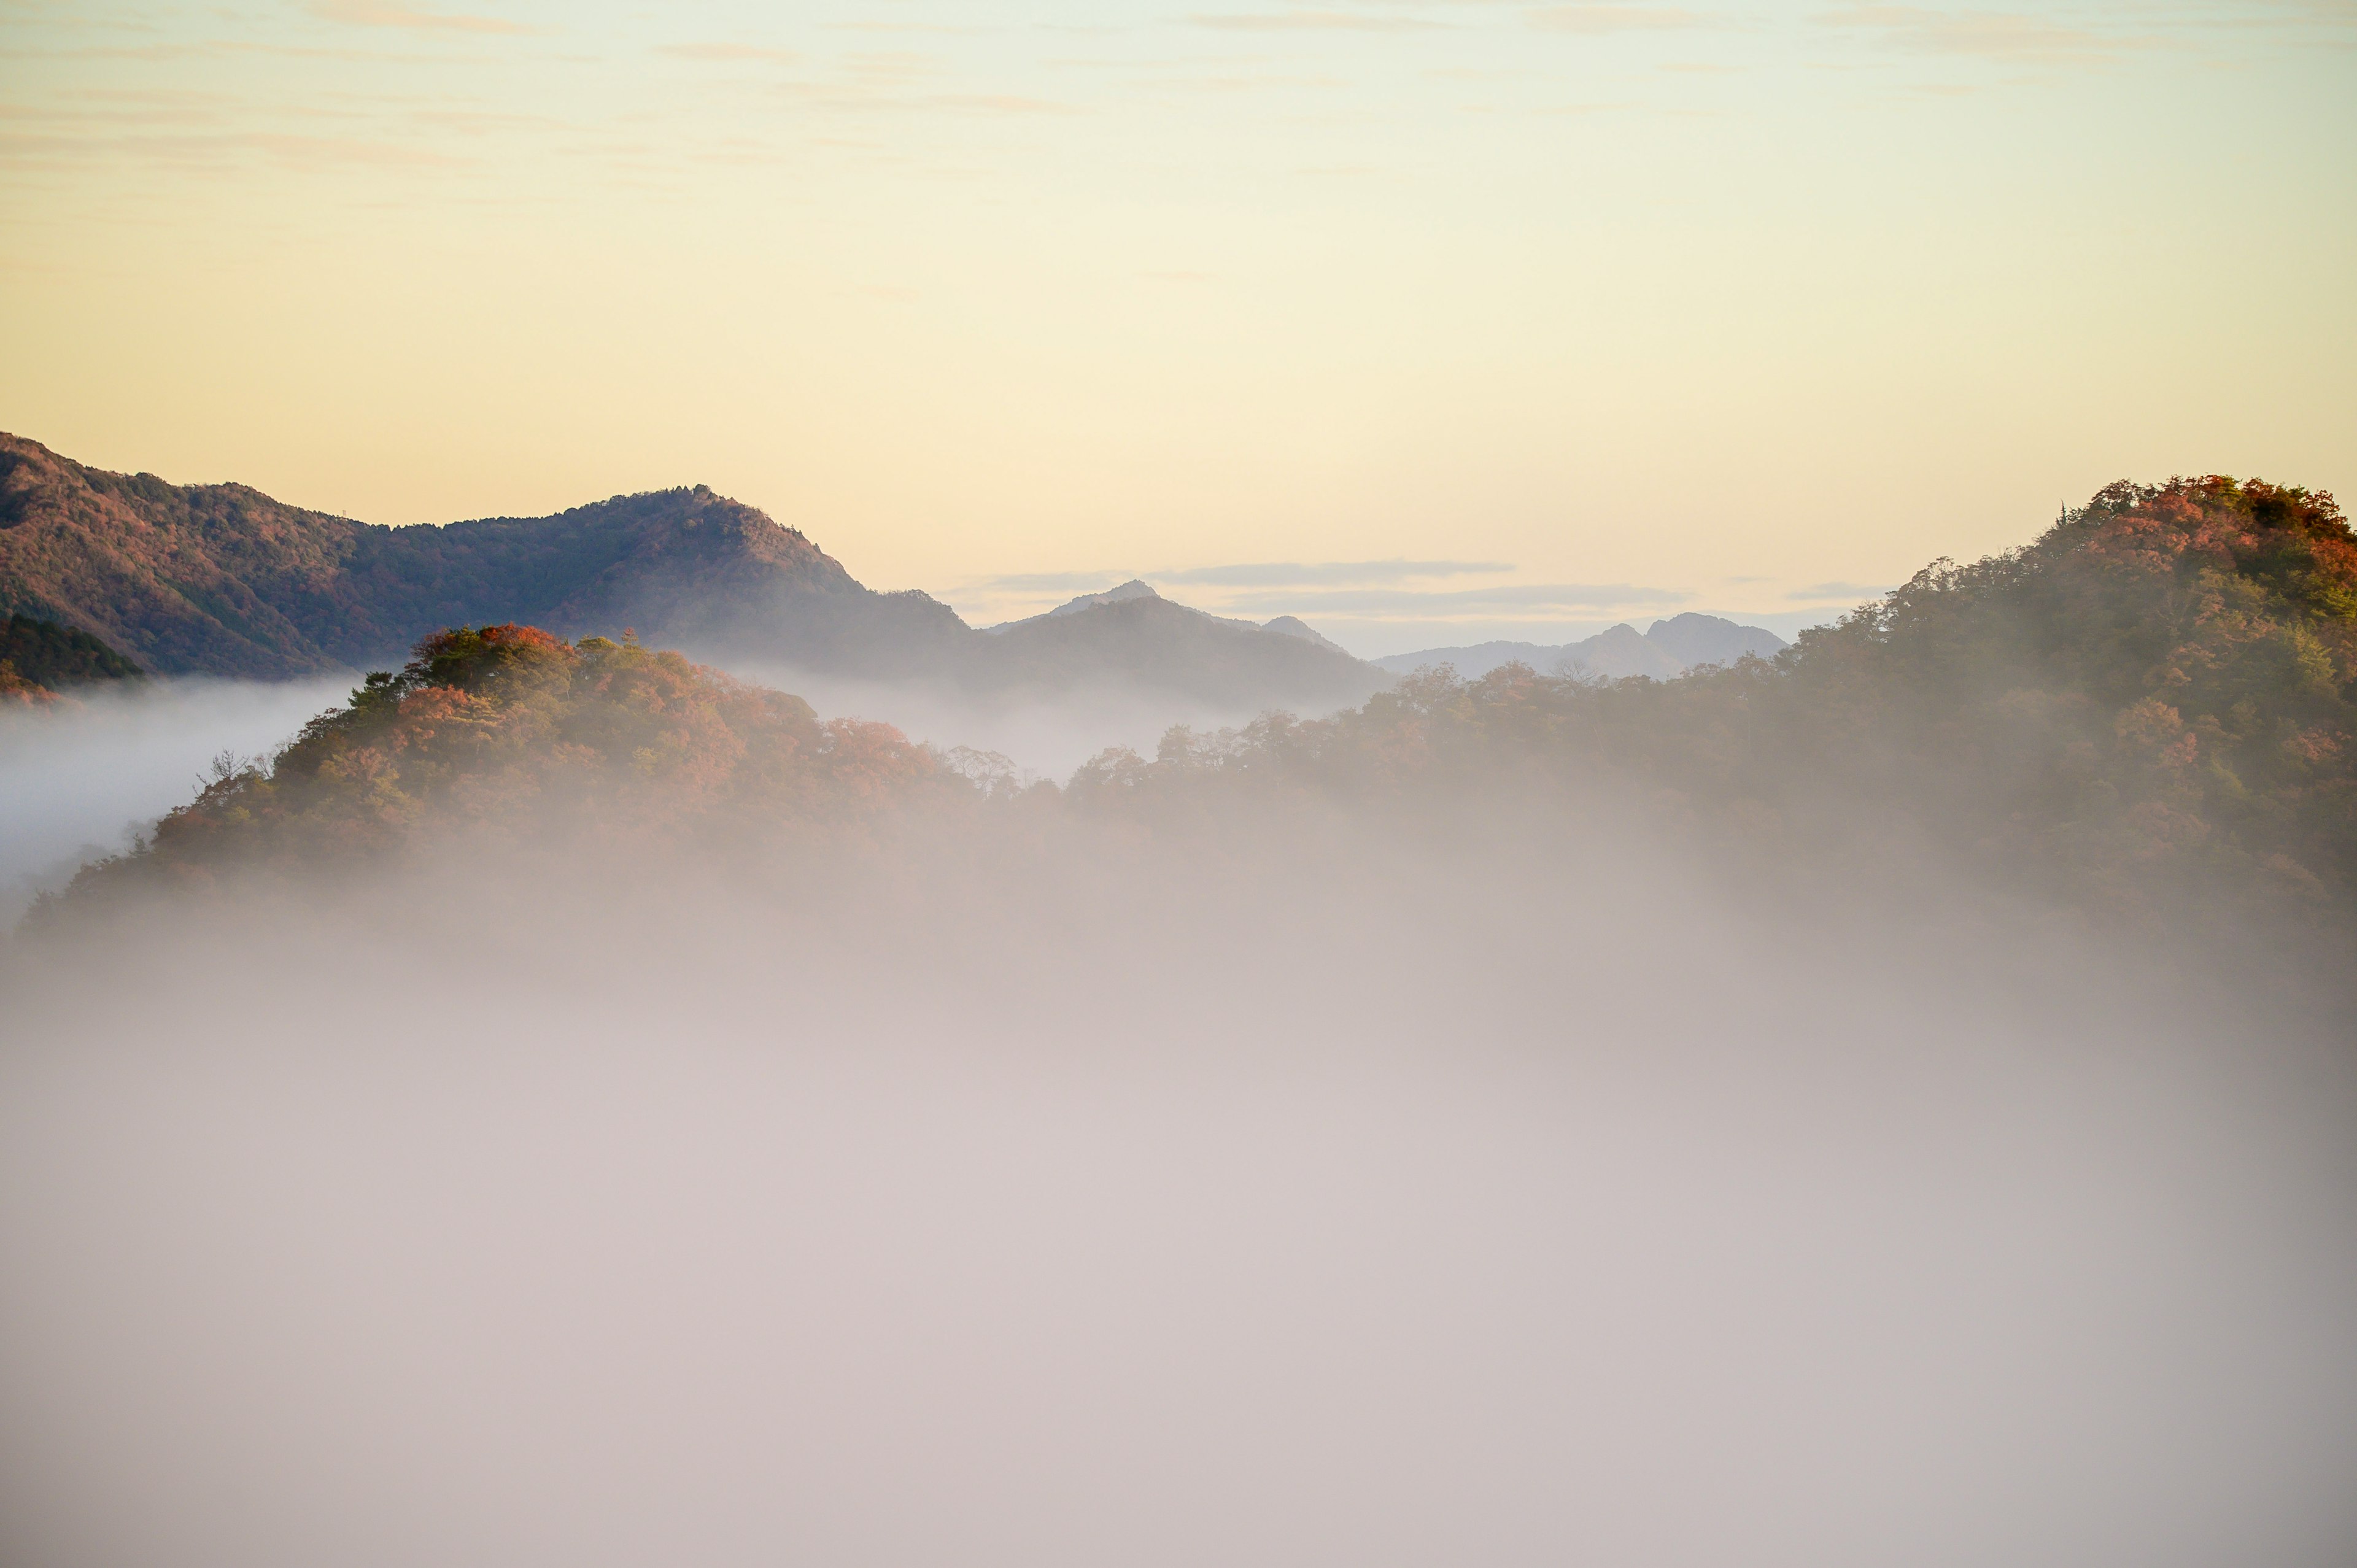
x=78, y=781
x=1045, y=734
x=1304, y=1192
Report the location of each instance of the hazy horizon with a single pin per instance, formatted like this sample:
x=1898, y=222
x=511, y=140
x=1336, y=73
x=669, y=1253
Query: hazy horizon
x=1597, y=310
x=684, y=1059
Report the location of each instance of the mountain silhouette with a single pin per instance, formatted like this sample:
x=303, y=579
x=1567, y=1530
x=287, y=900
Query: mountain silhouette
x=224, y=580
x=1669, y=647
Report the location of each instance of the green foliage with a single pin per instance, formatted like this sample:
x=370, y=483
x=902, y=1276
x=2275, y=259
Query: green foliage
x=43, y=653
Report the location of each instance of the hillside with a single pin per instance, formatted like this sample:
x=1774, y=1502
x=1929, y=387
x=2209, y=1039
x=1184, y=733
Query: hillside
x=39, y=659
x=514, y=739
x=2152, y=708
x=2154, y=702
x=224, y=580
x=1668, y=649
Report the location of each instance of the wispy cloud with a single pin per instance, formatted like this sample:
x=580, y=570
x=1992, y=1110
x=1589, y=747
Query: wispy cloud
x=222, y=152
x=2332, y=15
x=1313, y=21
x=1538, y=600
x=2004, y=38
x=1612, y=18
x=724, y=53
x=367, y=14
x=1052, y=582
x=1332, y=573
x=1851, y=591
x=886, y=97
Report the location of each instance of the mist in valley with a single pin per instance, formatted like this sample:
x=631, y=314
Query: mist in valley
x=1454, y=1179
x=80, y=781
x=1041, y=733
x=696, y=866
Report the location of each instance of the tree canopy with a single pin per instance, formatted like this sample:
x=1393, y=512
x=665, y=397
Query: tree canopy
x=2155, y=696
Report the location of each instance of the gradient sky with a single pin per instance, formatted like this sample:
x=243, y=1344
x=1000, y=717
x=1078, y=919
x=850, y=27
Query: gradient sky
x=1429, y=320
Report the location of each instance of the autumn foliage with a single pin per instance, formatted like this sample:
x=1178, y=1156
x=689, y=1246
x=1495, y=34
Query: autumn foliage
x=2152, y=703
x=521, y=739
x=2154, y=697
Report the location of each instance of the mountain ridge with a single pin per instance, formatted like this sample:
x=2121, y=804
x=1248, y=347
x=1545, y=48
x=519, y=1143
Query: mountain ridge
x=224, y=580
x=1668, y=649
x=1138, y=588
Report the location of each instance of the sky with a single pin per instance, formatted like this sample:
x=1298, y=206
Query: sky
x=1427, y=320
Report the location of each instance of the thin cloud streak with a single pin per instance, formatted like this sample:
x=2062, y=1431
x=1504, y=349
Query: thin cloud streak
x=1248, y=574
x=1313, y=21
x=2000, y=38
x=726, y=53
x=360, y=14
x=1836, y=591
x=1052, y=582
x=1607, y=18
x=1520, y=598
x=1281, y=573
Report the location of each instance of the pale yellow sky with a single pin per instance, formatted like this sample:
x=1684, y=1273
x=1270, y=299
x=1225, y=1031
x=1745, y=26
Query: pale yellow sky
x=1427, y=321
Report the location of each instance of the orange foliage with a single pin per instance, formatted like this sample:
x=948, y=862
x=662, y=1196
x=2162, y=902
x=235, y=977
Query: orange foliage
x=509, y=731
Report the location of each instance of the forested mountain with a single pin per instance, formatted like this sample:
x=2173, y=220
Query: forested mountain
x=1666, y=649
x=39, y=659
x=2157, y=696
x=2157, y=701
x=223, y=580
x=514, y=733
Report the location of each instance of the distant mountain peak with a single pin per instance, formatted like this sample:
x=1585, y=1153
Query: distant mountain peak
x=1668, y=649
x=1295, y=627
x=223, y=580
x=1133, y=589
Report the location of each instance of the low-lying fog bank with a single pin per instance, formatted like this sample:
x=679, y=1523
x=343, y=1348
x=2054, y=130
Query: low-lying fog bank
x=79, y=779
x=1513, y=1197
x=1047, y=734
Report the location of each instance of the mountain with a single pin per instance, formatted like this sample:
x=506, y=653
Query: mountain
x=224, y=580
x=1668, y=648
x=1294, y=626
x=1143, y=637
x=537, y=743
x=1698, y=639
x=1133, y=589
x=1284, y=625
x=2154, y=705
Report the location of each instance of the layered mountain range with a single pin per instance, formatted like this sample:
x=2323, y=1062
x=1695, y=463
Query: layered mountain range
x=224, y=580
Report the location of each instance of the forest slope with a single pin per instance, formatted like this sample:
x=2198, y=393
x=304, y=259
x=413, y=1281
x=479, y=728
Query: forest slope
x=510, y=736
x=2151, y=704
x=39, y=659
x=224, y=580
x=2153, y=698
